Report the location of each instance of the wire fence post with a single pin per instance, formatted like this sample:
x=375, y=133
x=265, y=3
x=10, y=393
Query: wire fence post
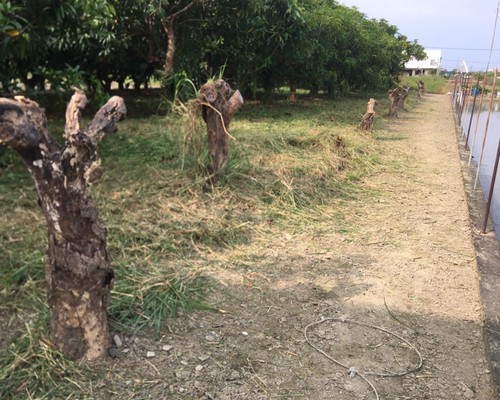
x=472, y=113
x=492, y=187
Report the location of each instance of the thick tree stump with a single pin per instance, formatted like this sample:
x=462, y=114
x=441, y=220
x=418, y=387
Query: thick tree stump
x=218, y=105
x=369, y=118
x=77, y=269
x=420, y=89
x=394, y=96
x=402, y=99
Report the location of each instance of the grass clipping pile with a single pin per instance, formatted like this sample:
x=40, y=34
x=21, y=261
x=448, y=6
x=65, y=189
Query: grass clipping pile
x=330, y=257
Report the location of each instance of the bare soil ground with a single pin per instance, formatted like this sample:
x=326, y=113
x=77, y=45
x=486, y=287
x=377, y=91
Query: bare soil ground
x=403, y=261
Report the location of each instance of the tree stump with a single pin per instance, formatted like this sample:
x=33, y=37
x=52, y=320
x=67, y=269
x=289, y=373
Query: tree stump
x=402, y=99
x=369, y=118
x=394, y=96
x=218, y=105
x=77, y=269
x=420, y=89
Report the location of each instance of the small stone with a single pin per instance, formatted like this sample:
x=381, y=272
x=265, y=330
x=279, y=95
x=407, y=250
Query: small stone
x=204, y=358
x=469, y=394
x=118, y=341
x=244, y=333
x=150, y=354
x=114, y=352
x=234, y=375
x=167, y=347
x=198, y=368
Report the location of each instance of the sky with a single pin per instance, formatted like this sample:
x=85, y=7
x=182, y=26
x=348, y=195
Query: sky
x=462, y=29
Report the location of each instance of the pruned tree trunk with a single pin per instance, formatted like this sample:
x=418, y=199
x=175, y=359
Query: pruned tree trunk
x=402, y=99
x=77, y=269
x=369, y=118
x=394, y=96
x=420, y=89
x=218, y=105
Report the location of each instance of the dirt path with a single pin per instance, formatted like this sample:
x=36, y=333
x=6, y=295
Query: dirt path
x=403, y=260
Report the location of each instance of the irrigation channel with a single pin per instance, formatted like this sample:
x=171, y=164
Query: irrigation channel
x=479, y=118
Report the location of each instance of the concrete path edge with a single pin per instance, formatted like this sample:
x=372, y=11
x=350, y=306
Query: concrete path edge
x=487, y=250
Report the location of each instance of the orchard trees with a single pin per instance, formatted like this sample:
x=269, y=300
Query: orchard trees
x=53, y=37
x=258, y=44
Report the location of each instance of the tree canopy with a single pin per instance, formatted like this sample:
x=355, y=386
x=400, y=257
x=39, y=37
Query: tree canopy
x=311, y=44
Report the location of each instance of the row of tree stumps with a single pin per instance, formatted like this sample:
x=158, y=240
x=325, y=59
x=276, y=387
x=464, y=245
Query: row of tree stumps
x=397, y=98
x=78, y=273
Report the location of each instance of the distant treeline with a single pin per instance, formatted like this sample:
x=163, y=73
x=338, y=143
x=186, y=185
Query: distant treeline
x=317, y=45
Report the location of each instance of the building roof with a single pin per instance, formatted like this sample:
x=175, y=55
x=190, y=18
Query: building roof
x=433, y=61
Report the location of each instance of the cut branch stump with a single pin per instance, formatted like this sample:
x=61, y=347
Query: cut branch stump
x=369, y=118
x=394, y=96
x=420, y=89
x=218, y=104
x=402, y=99
x=77, y=268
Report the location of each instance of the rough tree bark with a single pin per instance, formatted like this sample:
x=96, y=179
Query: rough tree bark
x=394, y=96
x=77, y=269
x=402, y=98
x=218, y=105
x=369, y=118
x=168, y=27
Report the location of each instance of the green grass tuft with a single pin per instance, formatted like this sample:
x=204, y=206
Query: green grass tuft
x=30, y=367
x=148, y=300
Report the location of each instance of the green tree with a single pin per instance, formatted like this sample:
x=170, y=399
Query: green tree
x=55, y=36
x=249, y=40
x=343, y=50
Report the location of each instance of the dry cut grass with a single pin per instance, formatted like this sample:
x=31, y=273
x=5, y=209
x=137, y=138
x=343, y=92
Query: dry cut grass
x=291, y=164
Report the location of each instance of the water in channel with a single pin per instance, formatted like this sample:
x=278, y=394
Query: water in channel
x=476, y=137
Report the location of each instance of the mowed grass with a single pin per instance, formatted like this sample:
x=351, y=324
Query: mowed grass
x=290, y=164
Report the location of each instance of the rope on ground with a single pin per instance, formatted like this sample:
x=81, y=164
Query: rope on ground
x=352, y=371
x=397, y=319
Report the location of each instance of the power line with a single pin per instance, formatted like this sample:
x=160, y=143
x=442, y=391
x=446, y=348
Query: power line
x=458, y=48
x=469, y=62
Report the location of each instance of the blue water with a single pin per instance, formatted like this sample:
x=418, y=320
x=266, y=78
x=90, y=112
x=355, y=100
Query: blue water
x=475, y=142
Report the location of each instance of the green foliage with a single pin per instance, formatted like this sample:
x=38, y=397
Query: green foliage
x=54, y=37
x=318, y=45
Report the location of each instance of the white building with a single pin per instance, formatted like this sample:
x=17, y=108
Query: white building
x=431, y=65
